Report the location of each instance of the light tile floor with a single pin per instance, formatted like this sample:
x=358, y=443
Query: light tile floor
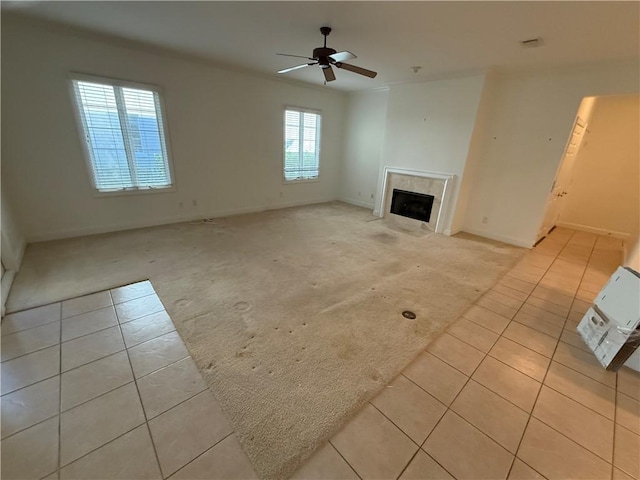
x=102, y=386
x=508, y=391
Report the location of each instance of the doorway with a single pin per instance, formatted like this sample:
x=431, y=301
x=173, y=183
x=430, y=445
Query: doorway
x=596, y=184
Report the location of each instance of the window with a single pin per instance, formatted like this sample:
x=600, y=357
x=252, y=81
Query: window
x=301, y=144
x=123, y=128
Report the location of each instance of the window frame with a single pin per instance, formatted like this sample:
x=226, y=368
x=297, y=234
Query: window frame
x=85, y=147
x=284, y=138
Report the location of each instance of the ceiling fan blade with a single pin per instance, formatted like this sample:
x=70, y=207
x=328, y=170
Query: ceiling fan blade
x=296, y=56
x=342, y=56
x=329, y=76
x=290, y=69
x=354, y=69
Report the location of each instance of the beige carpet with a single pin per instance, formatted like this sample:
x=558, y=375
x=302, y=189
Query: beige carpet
x=293, y=316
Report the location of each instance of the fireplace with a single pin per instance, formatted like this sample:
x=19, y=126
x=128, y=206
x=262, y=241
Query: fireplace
x=425, y=207
x=412, y=205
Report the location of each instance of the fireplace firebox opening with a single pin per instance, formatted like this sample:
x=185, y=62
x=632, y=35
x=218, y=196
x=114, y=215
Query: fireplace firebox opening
x=412, y=205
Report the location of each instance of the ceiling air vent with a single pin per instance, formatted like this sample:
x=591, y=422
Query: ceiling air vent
x=531, y=42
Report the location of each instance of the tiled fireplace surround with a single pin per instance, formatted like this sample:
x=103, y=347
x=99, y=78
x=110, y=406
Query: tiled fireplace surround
x=436, y=184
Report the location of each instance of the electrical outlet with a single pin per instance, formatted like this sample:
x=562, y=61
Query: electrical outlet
x=359, y=194
x=194, y=203
x=181, y=205
x=485, y=220
x=372, y=195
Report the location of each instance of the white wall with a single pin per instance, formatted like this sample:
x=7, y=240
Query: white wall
x=225, y=129
x=530, y=120
x=604, y=196
x=13, y=241
x=632, y=253
x=474, y=157
x=429, y=127
x=364, y=140
x=12, y=245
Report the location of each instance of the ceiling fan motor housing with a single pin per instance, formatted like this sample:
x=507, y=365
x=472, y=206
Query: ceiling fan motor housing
x=322, y=54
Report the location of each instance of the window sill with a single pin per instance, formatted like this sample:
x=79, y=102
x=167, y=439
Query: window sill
x=302, y=180
x=126, y=193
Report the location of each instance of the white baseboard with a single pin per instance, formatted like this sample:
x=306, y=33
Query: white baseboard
x=598, y=231
x=80, y=232
x=517, y=241
x=357, y=203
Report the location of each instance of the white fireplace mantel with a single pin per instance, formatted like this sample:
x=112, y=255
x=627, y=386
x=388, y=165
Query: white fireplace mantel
x=446, y=177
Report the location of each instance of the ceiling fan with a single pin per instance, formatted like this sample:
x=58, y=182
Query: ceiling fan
x=326, y=57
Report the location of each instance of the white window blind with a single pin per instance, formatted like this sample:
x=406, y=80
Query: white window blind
x=124, y=133
x=301, y=145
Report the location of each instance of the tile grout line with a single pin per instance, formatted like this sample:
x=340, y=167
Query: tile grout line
x=342, y=456
x=515, y=455
x=500, y=335
x=486, y=354
x=545, y=373
x=95, y=398
x=469, y=378
x=30, y=328
x=98, y=396
x=615, y=428
x=411, y=460
x=336, y=450
x=99, y=447
x=34, y=383
x=144, y=413
x=395, y=424
x=450, y=332
x=200, y=454
x=61, y=342
x=572, y=440
x=145, y=315
x=78, y=315
x=579, y=403
x=135, y=380
x=39, y=422
x=128, y=348
x=60, y=397
x=530, y=414
x=626, y=428
x=85, y=295
x=454, y=412
x=129, y=431
x=428, y=393
x=419, y=445
x=29, y=353
x=89, y=363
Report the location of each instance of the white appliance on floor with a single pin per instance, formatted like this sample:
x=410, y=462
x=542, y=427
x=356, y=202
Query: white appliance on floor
x=611, y=327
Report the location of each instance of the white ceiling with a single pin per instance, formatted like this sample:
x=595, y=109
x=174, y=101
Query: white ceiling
x=445, y=38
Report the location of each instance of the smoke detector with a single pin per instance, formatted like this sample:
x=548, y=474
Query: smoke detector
x=416, y=69
x=531, y=42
